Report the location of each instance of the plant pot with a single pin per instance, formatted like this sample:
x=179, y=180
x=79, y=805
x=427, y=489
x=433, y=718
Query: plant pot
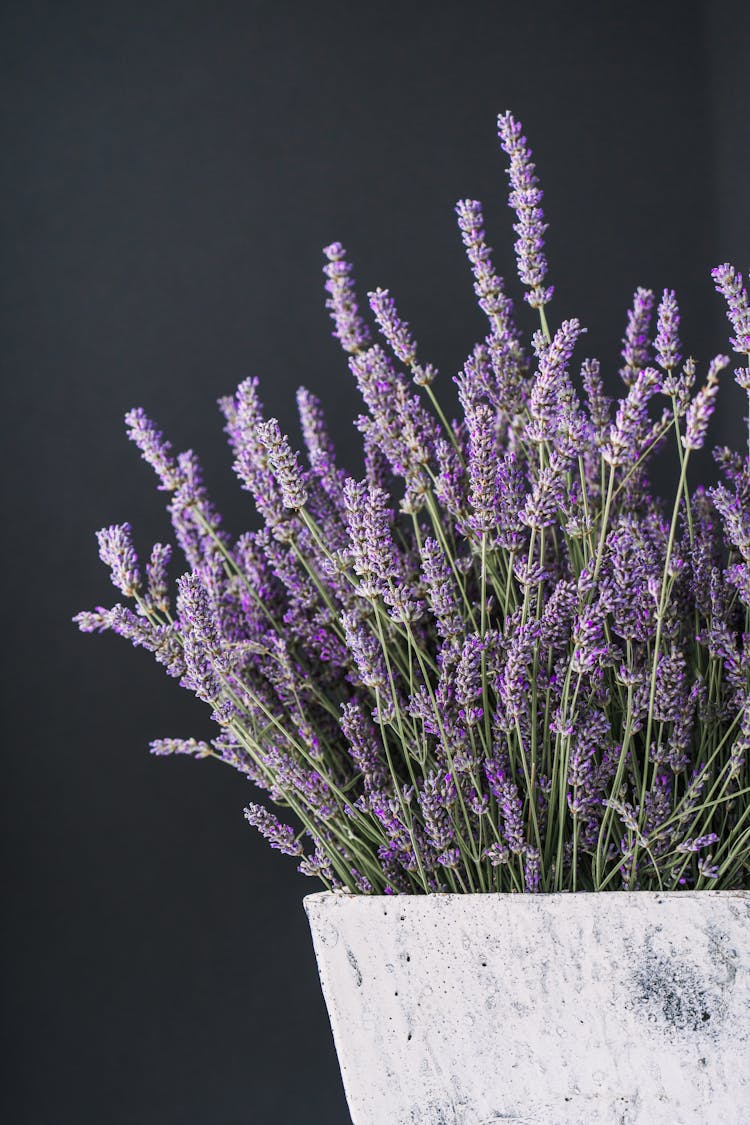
x=559, y=1009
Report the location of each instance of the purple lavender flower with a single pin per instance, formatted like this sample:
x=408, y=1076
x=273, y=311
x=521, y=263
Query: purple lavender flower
x=482, y=469
x=195, y=521
x=442, y=593
x=510, y=487
x=667, y=342
x=350, y=329
x=474, y=379
x=244, y=417
x=629, y=433
x=398, y=334
x=164, y=747
x=97, y=620
x=635, y=345
x=702, y=407
x=505, y=793
x=320, y=451
x=397, y=422
x=542, y=505
x=285, y=465
x=531, y=869
x=598, y=403
x=707, y=868
x=589, y=644
x=117, y=552
x=202, y=639
x=728, y=282
x=364, y=746
x=497, y=853
x=318, y=865
x=375, y=559
x=157, y=578
x=525, y=199
x=698, y=843
x=487, y=285
x=372, y=552
x=552, y=400
x=155, y=450
x=377, y=468
x=468, y=683
x=672, y=690
x=280, y=836
x=581, y=795
x=514, y=682
x=436, y=796
x=366, y=653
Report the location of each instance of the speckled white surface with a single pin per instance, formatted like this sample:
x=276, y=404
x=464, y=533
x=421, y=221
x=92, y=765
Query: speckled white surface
x=624, y=1009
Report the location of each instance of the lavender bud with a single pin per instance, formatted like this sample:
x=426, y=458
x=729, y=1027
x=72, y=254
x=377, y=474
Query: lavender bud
x=320, y=450
x=531, y=869
x=482, y=468
x=525, y=199
x=497, y=853
x=702, y=407
x=728, y=282
x=117, y=552
x=707, y=868
x=285, y=464
x=487, y=285
x=97, y=620
x=350, y=329
x=156, y=577
x=398, y=334
x=154, y=449
x=628, y=434
x=442, y=592
x=667, y=342
x=468, y=680
x=698, y=843
x=635, y=342
x=168, y=746
x=279, y=836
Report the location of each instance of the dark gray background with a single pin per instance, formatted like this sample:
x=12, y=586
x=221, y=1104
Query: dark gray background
x=170, y=173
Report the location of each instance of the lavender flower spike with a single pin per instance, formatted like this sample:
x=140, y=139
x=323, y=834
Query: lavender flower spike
x=156, y=576
x=667, y=342
x=635, y=341
x=165, y=747
x=280, y=836
x=482, y=469
x=627, y=434
x=728, y=282
x=351, y=330
x=398, y=334
x=320, y=451
x=702, y=407
x=117, y=552
x=525, y=198
x=154, y=448
x=285, y=465
x=487, y=285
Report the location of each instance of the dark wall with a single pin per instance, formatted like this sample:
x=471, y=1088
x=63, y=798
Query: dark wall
x=170, y=174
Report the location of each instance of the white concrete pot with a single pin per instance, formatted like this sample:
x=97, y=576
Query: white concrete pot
x=565, y=1009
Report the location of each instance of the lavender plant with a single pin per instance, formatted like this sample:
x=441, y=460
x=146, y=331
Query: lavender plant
x=499, y=661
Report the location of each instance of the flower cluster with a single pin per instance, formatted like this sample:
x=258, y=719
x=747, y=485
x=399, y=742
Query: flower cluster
x=500, y=661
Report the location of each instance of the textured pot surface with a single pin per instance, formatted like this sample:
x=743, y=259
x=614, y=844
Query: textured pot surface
x=570, y=1009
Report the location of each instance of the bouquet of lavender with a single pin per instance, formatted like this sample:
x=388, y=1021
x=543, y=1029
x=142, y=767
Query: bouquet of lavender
x=499, y=661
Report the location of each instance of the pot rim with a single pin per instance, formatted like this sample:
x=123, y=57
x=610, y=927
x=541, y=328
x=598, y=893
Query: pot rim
x=541, y=896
